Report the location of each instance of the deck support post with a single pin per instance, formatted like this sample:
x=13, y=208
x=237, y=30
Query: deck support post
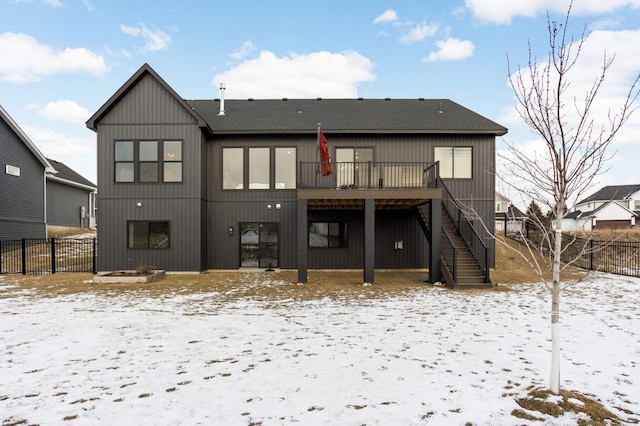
x=302, y=233
x=435, y=250
x=369, y=240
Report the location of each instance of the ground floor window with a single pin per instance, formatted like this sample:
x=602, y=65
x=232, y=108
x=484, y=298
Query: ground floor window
x=145, y=234
x=328, y=234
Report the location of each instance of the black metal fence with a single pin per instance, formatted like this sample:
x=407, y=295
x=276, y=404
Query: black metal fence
x=47, y=255
x=616, y=257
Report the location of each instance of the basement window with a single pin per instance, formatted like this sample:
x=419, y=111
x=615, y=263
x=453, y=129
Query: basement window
x=328, y=234
x=147, y=235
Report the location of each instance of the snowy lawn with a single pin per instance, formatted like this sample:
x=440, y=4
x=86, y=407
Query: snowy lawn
x=421, y=355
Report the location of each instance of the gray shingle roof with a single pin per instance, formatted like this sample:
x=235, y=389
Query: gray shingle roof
x=614, y=192
x=249, y=116
x=343, y=116
x=69, y=174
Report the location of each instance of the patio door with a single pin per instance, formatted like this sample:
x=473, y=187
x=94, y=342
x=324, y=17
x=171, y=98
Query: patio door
x=258, y=245
x=350, y=162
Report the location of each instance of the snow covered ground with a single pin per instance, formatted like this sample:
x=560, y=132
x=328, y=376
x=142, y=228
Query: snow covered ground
x=423, y=356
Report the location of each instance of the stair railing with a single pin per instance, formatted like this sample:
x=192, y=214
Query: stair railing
x=467, y=231
x=449, y=254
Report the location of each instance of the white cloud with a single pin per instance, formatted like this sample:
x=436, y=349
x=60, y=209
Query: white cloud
x=243, y=51
x=388, y=15
x=419, y=33
x=154, y=40
x=65, y=111
x=317, y=74
x=57, y=146
x=502, y=12
x=24, y=59
x=451, y=49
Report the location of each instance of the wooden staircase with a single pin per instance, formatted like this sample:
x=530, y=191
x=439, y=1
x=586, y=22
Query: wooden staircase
x=469, y=274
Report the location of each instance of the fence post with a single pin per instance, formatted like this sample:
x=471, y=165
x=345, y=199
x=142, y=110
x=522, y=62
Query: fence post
x=24, y=256
x=93, y=257
x=53, y=255
x=591, y=255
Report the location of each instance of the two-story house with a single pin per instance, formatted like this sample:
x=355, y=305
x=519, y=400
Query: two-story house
x=509, y=218
x=616, y=206
x=39, y=197
x=192, y=185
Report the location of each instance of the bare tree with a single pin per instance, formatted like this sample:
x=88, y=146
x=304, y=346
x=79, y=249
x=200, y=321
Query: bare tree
x=573, y=149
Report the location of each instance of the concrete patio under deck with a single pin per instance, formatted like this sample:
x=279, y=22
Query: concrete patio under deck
x=369, y=200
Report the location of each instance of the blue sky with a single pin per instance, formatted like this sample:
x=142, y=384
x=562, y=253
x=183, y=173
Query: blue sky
x=60, y=60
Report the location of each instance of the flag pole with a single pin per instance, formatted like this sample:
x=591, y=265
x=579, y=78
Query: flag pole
x=318, y=151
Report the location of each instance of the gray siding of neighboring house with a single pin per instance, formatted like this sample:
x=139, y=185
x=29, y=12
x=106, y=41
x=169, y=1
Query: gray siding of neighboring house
x=149, y=112
x=64, y=203
x=21, y=197
x=230, y=208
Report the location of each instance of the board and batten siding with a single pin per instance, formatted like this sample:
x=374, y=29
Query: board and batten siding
x=228, y=208
x=150, y=112
x=22, y=198
x=478, y=193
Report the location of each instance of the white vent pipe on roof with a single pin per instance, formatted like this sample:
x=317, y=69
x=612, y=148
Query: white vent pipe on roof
x=221, y=112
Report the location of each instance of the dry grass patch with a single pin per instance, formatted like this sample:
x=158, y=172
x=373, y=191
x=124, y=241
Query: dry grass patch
x=589, y=411
x=512, y=268
x=277, y=285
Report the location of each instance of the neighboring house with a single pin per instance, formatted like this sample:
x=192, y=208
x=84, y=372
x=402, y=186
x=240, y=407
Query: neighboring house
x=509, y=215
x=70, y=201
x=616, y=206
x=22, y=183
x=192, y=185
x=36, y=192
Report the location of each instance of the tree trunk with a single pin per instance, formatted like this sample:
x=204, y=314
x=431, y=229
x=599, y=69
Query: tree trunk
x=554, y=383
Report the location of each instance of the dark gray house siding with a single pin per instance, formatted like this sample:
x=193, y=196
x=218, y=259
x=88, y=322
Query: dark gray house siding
x=150, y=113
x=206, y=221
x=22, y=198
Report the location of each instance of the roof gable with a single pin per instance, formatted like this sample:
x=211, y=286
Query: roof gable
x=129, y=85
x=25, y=140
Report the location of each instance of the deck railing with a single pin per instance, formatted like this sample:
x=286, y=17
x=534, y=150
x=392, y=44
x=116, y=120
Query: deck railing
x=368, y=175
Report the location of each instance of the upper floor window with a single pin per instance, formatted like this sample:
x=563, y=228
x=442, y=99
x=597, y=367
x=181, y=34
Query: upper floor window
x=148, y=161
x=455, y=161
x=259, y=168
x=354, y=167
x=636, y=205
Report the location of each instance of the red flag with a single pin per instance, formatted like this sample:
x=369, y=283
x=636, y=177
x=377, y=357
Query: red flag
x=325, y=158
